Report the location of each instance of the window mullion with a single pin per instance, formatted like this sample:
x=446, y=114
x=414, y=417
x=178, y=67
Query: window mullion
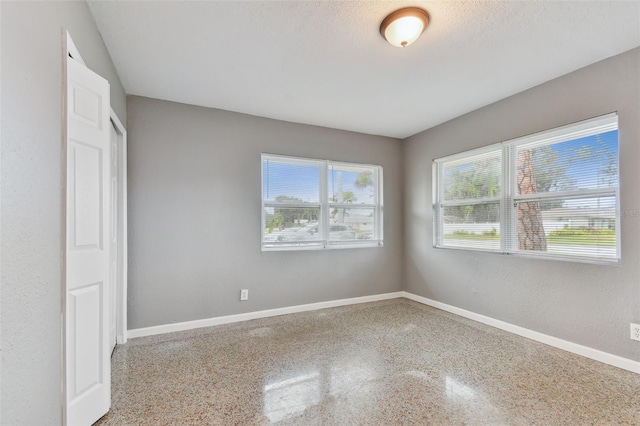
x=618, y=242
x=438, y=193
x=379, y=198
x=290, y=205
x=375, y=200
x=508, y=226
x=351, y=206
x=324, y=204
x=565, y=195
x=471, y=202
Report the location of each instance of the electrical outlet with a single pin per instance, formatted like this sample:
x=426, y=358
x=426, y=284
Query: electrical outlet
x=635, y=332
x=244, y=294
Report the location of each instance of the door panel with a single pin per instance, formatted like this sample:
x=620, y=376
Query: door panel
x=85, y=304
x=87, y=354
x=86, y=215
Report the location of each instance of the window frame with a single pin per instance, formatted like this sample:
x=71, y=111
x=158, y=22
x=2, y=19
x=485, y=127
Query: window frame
x=509, y=199
x=438, y=191
x=324, y=205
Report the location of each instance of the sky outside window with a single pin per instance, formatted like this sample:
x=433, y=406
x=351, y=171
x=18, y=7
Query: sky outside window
x=296, y=181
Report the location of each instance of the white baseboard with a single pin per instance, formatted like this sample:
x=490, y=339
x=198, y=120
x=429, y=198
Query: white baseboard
x=595, y=354
x=208, y=322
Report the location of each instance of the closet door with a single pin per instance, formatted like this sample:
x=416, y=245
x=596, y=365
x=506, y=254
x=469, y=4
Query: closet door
x=86, y=296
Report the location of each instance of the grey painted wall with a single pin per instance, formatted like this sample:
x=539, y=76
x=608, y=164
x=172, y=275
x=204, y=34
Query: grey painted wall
x=195, y=212
x=31, y=198
x=588, y=304
x=194, y=216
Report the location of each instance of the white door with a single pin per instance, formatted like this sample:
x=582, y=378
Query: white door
x=87, y=308
x=113, y=239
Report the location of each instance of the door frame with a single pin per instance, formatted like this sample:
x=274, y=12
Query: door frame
x=70, y=49
x=121, y=290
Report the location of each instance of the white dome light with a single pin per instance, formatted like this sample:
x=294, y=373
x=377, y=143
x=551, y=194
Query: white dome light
x=402, y=27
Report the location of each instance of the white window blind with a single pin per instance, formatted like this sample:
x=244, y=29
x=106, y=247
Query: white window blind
x=471, y=192
x=291, y=199
x=552, y=194
x=310, y=203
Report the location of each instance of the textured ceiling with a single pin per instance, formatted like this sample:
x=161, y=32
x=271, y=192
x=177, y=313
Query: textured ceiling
x=325, y=63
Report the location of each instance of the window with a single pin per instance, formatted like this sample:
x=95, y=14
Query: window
x=309, y=204
x=553, y=194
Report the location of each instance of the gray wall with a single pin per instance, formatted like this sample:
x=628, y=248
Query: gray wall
x=195, y=212
x=31, y=198
x=588, y=304
x=194, y=216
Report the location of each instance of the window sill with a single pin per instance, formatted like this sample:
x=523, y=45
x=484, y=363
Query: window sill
x=540, y=255
x=321, y=246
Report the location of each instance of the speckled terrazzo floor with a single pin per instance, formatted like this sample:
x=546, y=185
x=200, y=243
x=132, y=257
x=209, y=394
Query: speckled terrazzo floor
x=390, y=362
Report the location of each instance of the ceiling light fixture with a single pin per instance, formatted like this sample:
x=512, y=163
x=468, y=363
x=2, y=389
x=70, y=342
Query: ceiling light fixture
x=404, y=26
